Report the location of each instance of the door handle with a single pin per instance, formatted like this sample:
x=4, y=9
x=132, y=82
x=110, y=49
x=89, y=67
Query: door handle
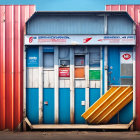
x=46, y=103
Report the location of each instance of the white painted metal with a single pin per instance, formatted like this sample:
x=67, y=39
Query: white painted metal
x=94, y=84
x=105, y=24
x=101, y=71
x=80, y=83
x=106, y=68
x=87, y=80
x=64, y=83
x=56, y=70
x=79, y=40
x=24, y=91
x=32, y=77
x=72, y=85
x=134, y=83
x=40, y=85
x=49, y=81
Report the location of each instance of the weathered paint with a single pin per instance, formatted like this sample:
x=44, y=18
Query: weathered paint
x=12, y=23
x=134, y=12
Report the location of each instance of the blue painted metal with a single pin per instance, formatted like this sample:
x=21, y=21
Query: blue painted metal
x=64, y=105
x=114, y=65
x=126, y=114
x=103, y=74
x=94, y=95
x=119, y=25
x=32, y=56
x=32, y=105
x=48, y=49
x=78, y=23
x=79, y=109
x=48, y=109
x=66, y=24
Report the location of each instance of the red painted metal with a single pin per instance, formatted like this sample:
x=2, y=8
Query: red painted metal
x=134, y=12
x=12, y=23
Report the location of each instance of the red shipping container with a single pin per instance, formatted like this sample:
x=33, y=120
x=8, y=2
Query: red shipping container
x=12, y=23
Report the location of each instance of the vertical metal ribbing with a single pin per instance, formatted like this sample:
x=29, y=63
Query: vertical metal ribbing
x=72, y=85
x=40, y=85
x=56, y=68
x=87, y=80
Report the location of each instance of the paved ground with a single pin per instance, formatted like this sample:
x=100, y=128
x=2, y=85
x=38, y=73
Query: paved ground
x=69, y=135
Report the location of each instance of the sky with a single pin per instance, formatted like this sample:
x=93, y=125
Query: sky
x=69, y=5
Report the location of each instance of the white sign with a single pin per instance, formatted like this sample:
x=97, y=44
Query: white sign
x=80, y=40
x=126, y=57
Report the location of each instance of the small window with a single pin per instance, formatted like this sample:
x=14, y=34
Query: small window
x=48, y=60
x=79, y=60
x=94, y=57
x=64, y=63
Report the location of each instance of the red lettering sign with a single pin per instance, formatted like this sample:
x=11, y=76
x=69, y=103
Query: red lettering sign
x=30, y=39
x=64, y=72
x=126, y=56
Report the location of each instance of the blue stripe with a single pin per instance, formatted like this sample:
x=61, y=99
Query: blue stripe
x=32, y=105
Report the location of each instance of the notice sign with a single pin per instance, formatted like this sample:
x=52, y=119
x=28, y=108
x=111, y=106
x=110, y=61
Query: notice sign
x=126, y=57
x=64, y=72
x=80, y=39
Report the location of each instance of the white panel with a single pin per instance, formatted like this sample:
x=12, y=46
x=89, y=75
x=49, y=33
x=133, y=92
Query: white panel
x=67, y=83
x=35, y=78
x=95, y=84
x=48, y=79
x=64, y=83
x=80, y=83
x=32, y=78
x=61, y=84
x=81, y=40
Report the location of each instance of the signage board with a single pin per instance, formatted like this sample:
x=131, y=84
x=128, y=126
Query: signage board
x=94, y=74
x=80, y=40
x=64, y=72
x=126, y=57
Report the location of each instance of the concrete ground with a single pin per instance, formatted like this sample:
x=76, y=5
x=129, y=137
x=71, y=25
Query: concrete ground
x=70, y=135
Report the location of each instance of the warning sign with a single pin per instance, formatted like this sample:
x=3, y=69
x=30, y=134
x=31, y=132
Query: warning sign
x=64, y=72
x=126, y=57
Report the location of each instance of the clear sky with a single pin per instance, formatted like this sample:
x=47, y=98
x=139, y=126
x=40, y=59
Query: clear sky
x=70, y=5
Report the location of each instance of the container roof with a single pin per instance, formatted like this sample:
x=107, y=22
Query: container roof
x=97, y=13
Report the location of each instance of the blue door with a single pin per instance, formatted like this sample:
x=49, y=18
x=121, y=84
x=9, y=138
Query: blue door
x=114, y=78
x=64, y=106
x=79, y=108
x=48, y=106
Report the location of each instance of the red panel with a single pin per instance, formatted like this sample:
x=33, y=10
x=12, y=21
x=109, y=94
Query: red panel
x=134, y=12
x=9, y=48
x=12, y=23
x=2, y=67
x=138, y=79
x=64, y=72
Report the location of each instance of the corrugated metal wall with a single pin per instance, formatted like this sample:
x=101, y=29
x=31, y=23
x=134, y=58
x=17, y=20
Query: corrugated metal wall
x=62, y=23
x=12, y=23
x=134, y=12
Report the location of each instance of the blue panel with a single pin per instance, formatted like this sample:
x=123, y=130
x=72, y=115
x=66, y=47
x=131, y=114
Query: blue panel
x=64, y=106
x=79, y=109
x=114, y=65
x=114, y=120
x=103, y=82
x=119, y=25
x=94, y=95
x=48, y=49
x=48, y=110
x=32, y=105
x=66, y=24
x=32, y=58
x=126, y=114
